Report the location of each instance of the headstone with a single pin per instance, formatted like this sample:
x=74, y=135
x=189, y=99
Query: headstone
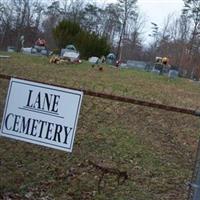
x=93, y=60
x=73, y=56
x=173, y=74
x=111, y=59
x=11, y=49
x=4, y=57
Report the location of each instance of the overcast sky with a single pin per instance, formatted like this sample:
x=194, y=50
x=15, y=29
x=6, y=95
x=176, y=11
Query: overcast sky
x=155, y=10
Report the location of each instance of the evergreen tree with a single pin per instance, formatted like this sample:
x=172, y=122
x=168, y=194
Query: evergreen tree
x=89, y=44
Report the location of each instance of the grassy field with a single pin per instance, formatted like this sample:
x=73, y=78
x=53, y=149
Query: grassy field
x=155, y=148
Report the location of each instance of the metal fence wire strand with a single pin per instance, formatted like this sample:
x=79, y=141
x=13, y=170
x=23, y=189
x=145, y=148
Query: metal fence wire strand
x=120, y=98
x=134, y=145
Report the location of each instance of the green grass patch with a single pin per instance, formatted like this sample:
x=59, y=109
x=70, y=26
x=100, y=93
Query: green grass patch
x=155, y=148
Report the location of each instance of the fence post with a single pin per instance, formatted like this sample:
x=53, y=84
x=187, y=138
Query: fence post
x=196, y=185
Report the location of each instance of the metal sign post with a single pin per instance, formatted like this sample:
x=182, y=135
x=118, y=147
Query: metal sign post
x=196, y=185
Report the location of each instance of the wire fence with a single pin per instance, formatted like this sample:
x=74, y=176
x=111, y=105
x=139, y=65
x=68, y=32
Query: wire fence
x=125, y=148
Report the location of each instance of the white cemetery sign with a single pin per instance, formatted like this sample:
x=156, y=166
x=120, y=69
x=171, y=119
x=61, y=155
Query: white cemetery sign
x=41, y=114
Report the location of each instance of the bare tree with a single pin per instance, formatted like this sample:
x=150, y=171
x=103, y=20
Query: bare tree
x=192, y=11
x=76, y=8
x=91, y=20
x=155, y=35
x=128, y=11
x=20, y=17
x=112, y=24
x=132, y=43
x=52, y=15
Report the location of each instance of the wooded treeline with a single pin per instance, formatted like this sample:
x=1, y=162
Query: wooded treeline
x=121, y=24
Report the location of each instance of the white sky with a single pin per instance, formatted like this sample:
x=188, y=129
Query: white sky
x=155, y=11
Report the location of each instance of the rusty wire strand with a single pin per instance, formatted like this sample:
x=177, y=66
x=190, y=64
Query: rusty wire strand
x=119, y=98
